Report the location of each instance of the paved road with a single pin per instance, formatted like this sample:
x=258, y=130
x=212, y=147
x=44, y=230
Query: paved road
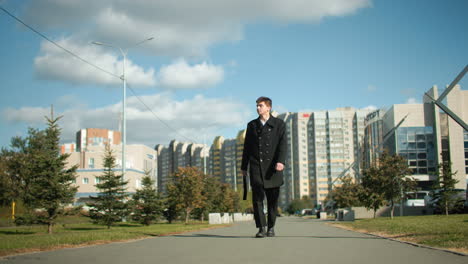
x=297, y=241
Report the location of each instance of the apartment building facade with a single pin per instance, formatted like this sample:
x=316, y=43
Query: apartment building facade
x=179, y=155
x=140, y=160
x=96, y=137
x=323, y=146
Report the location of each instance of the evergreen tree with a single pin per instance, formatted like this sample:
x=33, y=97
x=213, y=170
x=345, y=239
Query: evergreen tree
x=45, y=181
x=148, y=205
x=444, y=188
x=110, y=205
x=171, y=211
x=185, y=192
x=394, y=169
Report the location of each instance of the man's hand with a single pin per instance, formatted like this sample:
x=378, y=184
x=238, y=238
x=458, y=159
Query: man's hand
x=279, y=166
x=244, y=173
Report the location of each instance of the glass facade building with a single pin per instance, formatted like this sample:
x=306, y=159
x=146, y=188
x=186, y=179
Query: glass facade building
x=465, y=144
x=416, y=145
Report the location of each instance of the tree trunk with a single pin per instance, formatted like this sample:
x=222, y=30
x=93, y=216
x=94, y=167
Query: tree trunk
x=375, y=212
x=187, y=215
x=446, y=208
x=392, y=211
x=49, y=228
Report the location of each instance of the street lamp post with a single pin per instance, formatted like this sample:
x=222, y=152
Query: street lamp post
x=124, y=99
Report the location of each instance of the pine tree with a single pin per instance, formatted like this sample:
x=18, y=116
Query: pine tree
x=49, y=185
x=395, y=170
x=444, y=187
x=148, y=205
x=110, y=205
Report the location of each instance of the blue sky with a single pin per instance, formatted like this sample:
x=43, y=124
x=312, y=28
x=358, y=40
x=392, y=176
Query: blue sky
x=209, y=60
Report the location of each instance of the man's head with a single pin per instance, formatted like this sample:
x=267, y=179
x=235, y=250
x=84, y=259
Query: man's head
x=263, y=105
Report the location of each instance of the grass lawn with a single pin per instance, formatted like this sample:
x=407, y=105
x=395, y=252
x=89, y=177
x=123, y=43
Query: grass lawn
x=74, y=231
x=450, y=232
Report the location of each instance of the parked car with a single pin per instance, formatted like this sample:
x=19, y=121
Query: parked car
x=458, y=207
x=416, y=199
x=307, y=211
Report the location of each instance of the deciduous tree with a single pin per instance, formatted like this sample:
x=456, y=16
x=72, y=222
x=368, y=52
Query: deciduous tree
x=186, y=190
x=372, y=191
x=347, y=194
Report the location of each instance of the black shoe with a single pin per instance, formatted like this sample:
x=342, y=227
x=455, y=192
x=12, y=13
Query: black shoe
x=271, y=232
x=261, y=233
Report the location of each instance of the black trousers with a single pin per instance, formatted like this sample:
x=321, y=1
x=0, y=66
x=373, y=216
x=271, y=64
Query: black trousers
x=258, y=195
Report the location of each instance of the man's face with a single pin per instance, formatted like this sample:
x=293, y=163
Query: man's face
x=262, y=108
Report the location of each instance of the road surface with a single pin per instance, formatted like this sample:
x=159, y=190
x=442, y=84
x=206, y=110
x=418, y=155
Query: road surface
x=298, y=241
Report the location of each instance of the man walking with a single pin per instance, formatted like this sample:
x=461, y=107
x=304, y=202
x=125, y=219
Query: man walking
x=264, y=155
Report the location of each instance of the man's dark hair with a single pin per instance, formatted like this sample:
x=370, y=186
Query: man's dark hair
x=265, y=100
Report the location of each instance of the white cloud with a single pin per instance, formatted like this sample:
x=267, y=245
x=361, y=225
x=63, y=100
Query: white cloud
x=370, y=108
x=408, y=92
x=29, y=115
x=193, y=118
x=182, y=75
x=183, y=27
x=371, y=88
x=412, y=100
x=56, y=64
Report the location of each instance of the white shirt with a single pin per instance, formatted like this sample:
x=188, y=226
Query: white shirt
x=264, y=122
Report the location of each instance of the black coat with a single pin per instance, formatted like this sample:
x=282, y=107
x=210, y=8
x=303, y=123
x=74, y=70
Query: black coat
x=264, y=146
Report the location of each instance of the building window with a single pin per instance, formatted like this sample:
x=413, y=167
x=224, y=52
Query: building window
x=138, y=183
x=91, y=163
x=85, y=181
x=97, y=180
x=465, y=137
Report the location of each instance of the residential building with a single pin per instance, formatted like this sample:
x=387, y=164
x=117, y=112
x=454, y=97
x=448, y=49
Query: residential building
x=140, y=159
x=216, y=167
x=323, y=146
x=96, y=137
x=67, y=148
x=179, y=155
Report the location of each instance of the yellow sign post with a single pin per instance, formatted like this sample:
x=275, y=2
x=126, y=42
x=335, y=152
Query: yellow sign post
x=13, y=205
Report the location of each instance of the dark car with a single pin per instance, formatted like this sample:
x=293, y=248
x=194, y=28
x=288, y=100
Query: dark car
x=458, y=205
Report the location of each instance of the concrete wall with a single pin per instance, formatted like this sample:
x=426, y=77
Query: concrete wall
x=362, y=212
